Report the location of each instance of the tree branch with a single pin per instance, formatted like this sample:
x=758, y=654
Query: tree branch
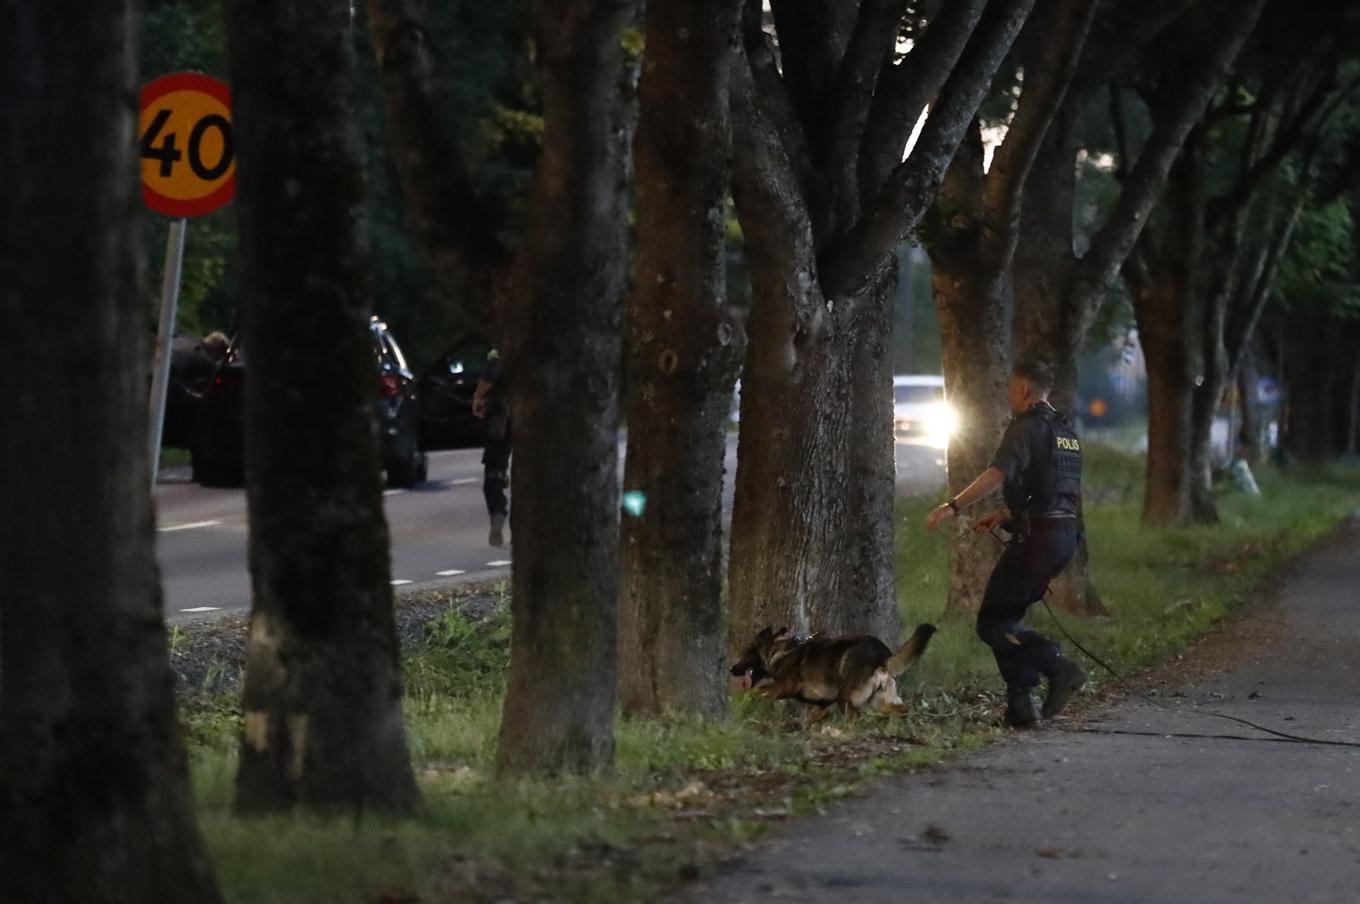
x=449, y=219
x=1064, y=25
x=1127, y=30
x=852, y=95
x=771, y=94
x=1116, y=239
x=1237, y=340
x=1306, y=119
x=768, y=198
x=1121, y=133
x=813, y=36
x=904, y=89
x=899, y=206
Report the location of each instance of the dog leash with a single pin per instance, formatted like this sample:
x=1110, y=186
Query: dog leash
x=1146, y=698
x=1157, y=704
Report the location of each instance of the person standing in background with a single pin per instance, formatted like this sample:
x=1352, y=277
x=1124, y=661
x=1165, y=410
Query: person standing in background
x=489, y=403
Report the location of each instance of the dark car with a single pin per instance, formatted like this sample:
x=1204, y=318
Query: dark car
x=446, y=391
x=219, y=447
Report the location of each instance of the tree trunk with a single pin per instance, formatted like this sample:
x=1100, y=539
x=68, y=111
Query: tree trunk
x=1160, y=313
x=562, y=360
x=973, y=344
x=1247, y=377
x=321, y=706
x=1309, y=350
x=813, y=271
x=557, y=303
x=788, y=547
x=1204, y=403
x=685, y=347
x=95, y=804
x=871, y=461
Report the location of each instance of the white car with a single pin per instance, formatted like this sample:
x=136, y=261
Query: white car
x=920, y=409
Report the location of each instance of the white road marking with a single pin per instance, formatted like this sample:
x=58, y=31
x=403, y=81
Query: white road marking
x=193, y=525
x=499, y=563
x=399, y=581
x=464, y=481
x=450, y=573
x=200, y=609
x=392, y=492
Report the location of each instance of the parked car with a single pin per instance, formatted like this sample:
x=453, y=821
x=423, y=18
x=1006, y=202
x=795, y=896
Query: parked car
x=920, y=408
x=218, y=452
x=446, y=389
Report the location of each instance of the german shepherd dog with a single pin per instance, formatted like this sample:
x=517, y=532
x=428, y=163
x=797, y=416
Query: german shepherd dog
x=858, y=673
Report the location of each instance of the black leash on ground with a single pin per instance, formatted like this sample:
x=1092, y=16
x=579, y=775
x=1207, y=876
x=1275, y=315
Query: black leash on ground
x=1278, y=735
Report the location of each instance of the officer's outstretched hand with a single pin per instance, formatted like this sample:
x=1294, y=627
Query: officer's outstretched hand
x=938, y=514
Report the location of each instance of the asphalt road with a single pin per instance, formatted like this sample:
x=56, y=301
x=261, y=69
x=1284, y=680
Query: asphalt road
x=438, y=530
x=1159, y=802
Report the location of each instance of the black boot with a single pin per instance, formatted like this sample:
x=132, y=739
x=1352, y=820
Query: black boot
x=496, y=536
x=1020, y=709
x=1067, y=677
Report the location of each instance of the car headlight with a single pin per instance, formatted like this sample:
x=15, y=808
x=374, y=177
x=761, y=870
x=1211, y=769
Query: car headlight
x=942, y=420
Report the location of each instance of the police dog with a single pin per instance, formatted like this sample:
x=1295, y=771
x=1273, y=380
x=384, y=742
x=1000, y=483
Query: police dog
x=857, y=673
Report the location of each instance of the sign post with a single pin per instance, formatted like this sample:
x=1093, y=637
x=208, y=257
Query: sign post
x=181, y=180
x=165, y=332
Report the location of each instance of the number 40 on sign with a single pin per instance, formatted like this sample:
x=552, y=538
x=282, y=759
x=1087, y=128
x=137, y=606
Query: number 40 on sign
x=188, y=156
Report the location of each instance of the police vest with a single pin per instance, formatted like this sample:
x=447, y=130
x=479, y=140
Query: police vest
x=1052, y=482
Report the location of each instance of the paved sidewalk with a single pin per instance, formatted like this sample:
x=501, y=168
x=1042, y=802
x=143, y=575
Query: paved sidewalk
x=1133, y=802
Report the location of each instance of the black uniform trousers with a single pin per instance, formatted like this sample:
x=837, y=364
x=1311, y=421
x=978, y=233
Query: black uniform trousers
x=1019, y=580
x=496, y=464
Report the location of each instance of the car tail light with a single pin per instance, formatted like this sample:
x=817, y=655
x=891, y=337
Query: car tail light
x=390, y=386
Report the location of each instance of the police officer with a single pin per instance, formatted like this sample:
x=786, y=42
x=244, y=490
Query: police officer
x=1038, y=464
x=489, y=402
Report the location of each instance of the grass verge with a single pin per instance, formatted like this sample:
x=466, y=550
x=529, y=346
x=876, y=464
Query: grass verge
x=687, y=795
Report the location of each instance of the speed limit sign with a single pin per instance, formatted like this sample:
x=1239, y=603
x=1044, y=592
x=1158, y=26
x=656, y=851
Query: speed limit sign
x=188, y=156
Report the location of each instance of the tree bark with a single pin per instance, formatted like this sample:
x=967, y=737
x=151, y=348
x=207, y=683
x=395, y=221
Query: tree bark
x=1160, y=311
x=1161, y=280
x=804, y=540
x=556, y=303
x=321, y=706
x=871, y=466
x=563, y=313
x=95, y=804
x=1248, y=375
x=1204, y=405
x=789, y=498
x=685, y=348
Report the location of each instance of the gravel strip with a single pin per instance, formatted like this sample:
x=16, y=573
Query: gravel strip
x=208, y=656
